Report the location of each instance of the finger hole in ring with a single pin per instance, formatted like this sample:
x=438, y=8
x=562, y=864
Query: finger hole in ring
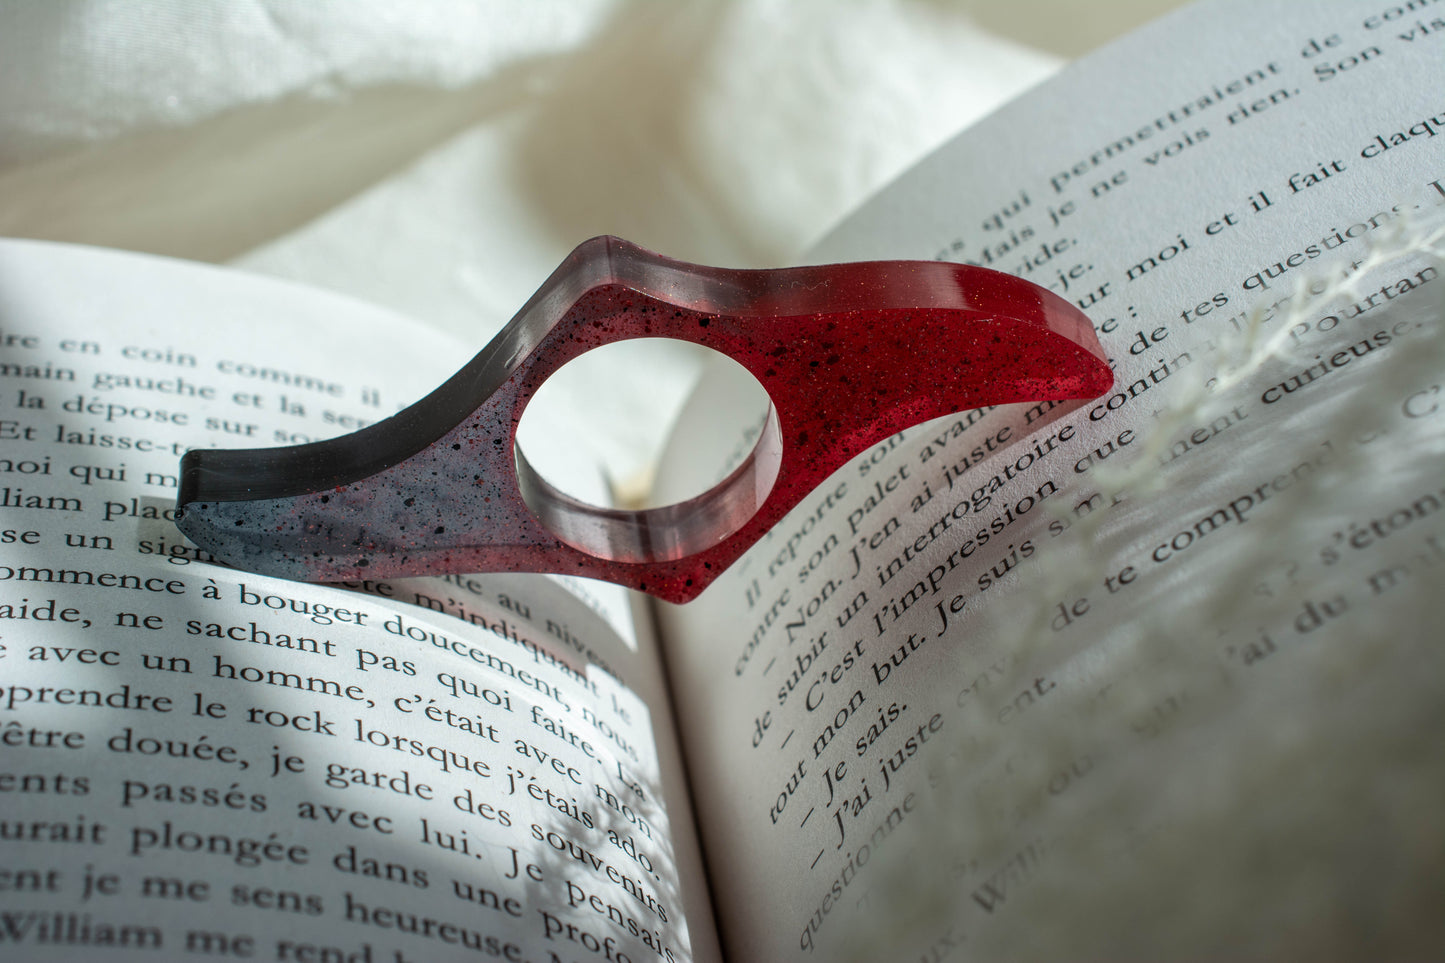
x=659, y=534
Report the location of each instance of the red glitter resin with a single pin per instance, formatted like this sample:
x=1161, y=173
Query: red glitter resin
x=849, y=354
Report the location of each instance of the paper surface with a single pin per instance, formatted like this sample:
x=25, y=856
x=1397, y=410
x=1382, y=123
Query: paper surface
x=1155, y=676
x=196, y=756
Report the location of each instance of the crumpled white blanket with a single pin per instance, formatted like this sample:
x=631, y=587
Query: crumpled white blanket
x=440, y=156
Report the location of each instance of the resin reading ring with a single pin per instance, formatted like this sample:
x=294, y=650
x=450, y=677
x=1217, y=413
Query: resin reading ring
x=849, y=354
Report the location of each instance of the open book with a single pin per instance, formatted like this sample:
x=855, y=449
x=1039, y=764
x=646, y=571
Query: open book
x=1152, y=675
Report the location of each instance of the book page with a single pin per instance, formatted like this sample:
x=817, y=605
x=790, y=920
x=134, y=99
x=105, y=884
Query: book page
x=1153, y=675
x=202, y=762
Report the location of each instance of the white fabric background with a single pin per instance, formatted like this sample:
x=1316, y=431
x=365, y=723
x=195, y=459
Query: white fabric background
x=440, y=156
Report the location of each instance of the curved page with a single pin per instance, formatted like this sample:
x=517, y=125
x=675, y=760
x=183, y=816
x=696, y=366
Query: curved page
x=1156, y=676
x=201, y=761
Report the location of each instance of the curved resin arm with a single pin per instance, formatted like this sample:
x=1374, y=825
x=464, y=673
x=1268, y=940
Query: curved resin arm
x=849, y=354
